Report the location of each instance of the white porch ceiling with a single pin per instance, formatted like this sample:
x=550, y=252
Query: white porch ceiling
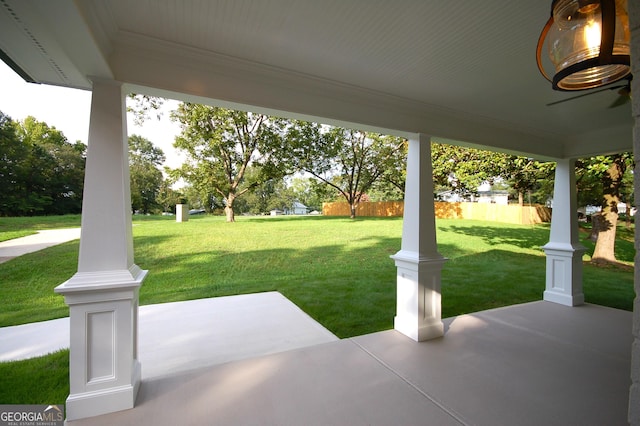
x=458, y=70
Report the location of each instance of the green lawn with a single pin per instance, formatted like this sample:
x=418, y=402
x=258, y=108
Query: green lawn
x=336, y=269
x=15, y=227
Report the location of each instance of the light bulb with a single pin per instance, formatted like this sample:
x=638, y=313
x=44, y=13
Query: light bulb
x=592, y=35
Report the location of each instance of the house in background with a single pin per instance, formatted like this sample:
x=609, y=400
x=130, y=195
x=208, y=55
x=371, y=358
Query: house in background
x=485, y=194
x=492, y=197
x=297, y=208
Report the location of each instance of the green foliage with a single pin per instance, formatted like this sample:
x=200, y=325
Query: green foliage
x=272, y=194
x=349, y=161
x=145, y=176
x=12, y=167
x=221, y=145
x=591, y=175
x=168, y=197
x=142, y=106
x=528, y=176
x=40, y=172
x=461, y=170
x=311, y=192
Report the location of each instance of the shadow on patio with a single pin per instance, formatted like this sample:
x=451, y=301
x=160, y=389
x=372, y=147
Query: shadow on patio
x=530, y=364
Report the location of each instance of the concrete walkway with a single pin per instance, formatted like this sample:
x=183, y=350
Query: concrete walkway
x=43, y=239
x=181, y=336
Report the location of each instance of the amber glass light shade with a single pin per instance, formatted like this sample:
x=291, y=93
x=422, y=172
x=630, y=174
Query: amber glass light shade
x=588, y=42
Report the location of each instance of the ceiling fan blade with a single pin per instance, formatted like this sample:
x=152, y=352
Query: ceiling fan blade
x=622, y=99
x=586, y=94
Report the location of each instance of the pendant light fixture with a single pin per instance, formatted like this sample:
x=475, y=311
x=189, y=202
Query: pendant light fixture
x=588, y=43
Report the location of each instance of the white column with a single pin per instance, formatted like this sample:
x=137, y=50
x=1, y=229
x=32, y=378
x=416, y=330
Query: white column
x=564, y=251
x=634, y=392
x=418, y=310
x=103, y=294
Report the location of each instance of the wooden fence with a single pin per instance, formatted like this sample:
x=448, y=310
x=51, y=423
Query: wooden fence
x=512, y=213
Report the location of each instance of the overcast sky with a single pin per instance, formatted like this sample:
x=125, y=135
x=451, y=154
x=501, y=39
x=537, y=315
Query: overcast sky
x=68, y=111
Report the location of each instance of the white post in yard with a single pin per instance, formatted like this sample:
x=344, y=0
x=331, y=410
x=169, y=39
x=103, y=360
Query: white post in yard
x=182, y=213
x=418, y=310
x=564, y=251
x=103, y=295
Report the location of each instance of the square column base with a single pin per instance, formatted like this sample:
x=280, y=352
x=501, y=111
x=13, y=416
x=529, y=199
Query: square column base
x=95, y=403
x=563, y=299
x=104, y=371
x=564, y=274
x=418, y=306
x=407, y=326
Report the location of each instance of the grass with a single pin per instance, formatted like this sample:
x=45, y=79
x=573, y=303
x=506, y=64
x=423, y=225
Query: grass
x=41, y=380
x=336, y=269
x=16, y=227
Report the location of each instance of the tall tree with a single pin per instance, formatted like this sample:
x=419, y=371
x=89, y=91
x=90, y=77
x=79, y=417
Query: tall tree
x=350, y=161
x=462, y=170
x=390, y=186
x=168, y=197
x=221, y=144
x=609, y=173
x=53, y=184
x=526, y=175
x=67, y=181
x=40, y=171
x=146, y=176
x=13, y=167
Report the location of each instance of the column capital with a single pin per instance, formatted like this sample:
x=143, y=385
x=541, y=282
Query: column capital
x=568, y=247
x=419, y=258
x=104, y=81
x=101, y=281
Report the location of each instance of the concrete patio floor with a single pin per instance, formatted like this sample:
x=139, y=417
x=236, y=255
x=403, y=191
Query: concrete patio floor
x=532, y=364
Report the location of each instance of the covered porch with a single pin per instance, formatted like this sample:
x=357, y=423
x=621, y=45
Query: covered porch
x=530, y=364
x=453, y=72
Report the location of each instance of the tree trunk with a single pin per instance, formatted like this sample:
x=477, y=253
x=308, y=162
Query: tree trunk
x=520, y=198
x=228, y=208
x=352, y=210
x=230, y=214
x=598, y=224
x=604, y=251
x=606, y=238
